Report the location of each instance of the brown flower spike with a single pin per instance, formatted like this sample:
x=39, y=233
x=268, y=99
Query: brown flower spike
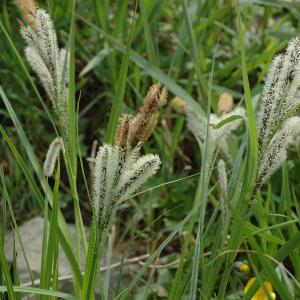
x=122, y=130
x=28, y=9
x=132, y=131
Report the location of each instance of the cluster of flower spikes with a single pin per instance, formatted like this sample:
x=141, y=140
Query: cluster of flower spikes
x=197, y=124
x=48, y=61
x=120, y=170
x=276, y=124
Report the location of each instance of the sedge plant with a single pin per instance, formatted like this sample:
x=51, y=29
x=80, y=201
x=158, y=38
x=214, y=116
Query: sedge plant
x=121, y=168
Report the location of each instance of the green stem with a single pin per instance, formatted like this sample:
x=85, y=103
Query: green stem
x=92, y=262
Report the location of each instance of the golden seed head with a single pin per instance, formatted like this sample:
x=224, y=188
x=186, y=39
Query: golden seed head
x=28, y=9
x=132, y=131
x=156, y=97
x=122, y=130
x=225, y=103
x=178, y=105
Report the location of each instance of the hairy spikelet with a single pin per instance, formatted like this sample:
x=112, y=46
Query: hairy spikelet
x=291, y=59
x=270, y=99
x=142, y=126
x=28, y=35
x=63, y=85
x=292, y=100
x=280, y=99
x=52, y=156
x=276, y=151
x=100, y=178
x=284, y=69
x=63, y=73
x=222, y=176
x=50, y=63
x=131, y=156
x=105, y=172
x=47, y=40
x=134, y=176
x=39, y=67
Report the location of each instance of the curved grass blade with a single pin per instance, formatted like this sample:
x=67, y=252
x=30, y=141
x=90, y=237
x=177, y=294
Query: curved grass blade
x=227, y=120
x=38, y=291
x=9, y=286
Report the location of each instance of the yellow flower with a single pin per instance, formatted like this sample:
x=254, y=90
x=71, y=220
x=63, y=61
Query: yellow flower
x=260, y=294
x=244, y=267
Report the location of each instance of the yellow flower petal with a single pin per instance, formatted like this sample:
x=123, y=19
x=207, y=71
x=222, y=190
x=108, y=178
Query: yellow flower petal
x=244, y=267
x=260, y=294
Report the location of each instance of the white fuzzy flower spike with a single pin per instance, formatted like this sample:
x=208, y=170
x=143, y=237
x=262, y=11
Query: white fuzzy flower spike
x=50, y=63
x=38, y=66
x=279, y=102
x=52, y=156
x=292, y=100
x=46, y=40
x=222, y=176
x=132, y=177
x=284, y=69
x=277, y=149
x=271, y=97
x=105, y=173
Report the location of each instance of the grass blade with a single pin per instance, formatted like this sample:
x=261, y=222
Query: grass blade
x=5, y=270
x=37, y=291
x=117, y=104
